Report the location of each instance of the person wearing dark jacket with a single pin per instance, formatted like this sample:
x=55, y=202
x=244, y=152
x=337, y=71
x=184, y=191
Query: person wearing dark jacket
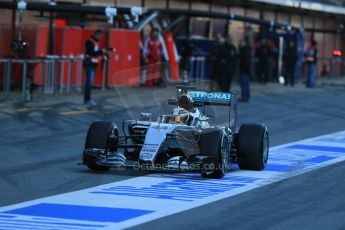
x=187, y=49
x=290, y=57
x=92, y=57
x=217, y=63
x=245, y=59
x=229, y=64
x=263, y=54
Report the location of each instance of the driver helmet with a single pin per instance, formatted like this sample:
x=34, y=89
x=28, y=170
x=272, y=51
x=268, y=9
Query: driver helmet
x=180, y=115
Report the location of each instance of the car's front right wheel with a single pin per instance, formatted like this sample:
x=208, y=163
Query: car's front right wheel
x=99, y=137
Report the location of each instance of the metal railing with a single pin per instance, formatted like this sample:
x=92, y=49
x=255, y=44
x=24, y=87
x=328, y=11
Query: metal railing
x=6, y=80
x=61, y=74
x=50, y=75
x=335, y=68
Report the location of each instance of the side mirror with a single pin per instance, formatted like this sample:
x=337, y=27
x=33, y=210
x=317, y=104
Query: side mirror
x=163, y=119
x=145, y=116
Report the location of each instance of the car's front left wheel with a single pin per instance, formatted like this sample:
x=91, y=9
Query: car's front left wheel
x=214, y=143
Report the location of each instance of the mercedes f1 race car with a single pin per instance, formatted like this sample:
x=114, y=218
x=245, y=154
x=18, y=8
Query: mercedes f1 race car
x=182, y=140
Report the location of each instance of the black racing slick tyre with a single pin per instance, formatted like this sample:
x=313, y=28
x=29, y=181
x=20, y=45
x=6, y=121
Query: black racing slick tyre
x=100, y=136
x=211, y=142
x=252, y=145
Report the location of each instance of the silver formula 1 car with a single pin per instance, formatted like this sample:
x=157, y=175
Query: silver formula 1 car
x=182, y=140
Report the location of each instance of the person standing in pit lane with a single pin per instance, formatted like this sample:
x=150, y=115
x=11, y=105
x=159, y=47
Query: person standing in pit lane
x=153, y=54
x=217, y=62
x=229, y=64
x=186, y=50
x=245, y=59
x=263, y=54
x=290, y=57
x=93, y=54
x=311, y=60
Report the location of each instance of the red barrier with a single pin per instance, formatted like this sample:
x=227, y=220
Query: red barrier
x=69, y=43
x=41, y=41
x=5, y=41
x=73, y=47
x=131, y=64
x=173, y=56
x=30, y=36
x=124, y=64
x=41, y=51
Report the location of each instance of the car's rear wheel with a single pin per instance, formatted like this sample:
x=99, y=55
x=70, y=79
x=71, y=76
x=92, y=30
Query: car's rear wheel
x=253, y=145
x=213, y=143
x=101, y=135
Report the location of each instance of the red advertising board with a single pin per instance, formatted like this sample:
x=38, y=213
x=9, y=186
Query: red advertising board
x=70, y=46
x=40, y=51
x=173, y=56
x=124, y=64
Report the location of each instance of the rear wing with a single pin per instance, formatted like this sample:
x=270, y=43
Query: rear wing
x=203, y=97
x=210, y=98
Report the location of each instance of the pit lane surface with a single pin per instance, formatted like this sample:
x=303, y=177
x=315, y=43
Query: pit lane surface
x=41, y=148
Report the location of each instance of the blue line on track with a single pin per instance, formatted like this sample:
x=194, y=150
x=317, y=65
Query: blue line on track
x=283, y=168
x=320, y=159
x=78, y=212
x=317, y=148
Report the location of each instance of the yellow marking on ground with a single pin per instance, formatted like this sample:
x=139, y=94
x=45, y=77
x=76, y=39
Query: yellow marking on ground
x=26, y=110
x=71, y=113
